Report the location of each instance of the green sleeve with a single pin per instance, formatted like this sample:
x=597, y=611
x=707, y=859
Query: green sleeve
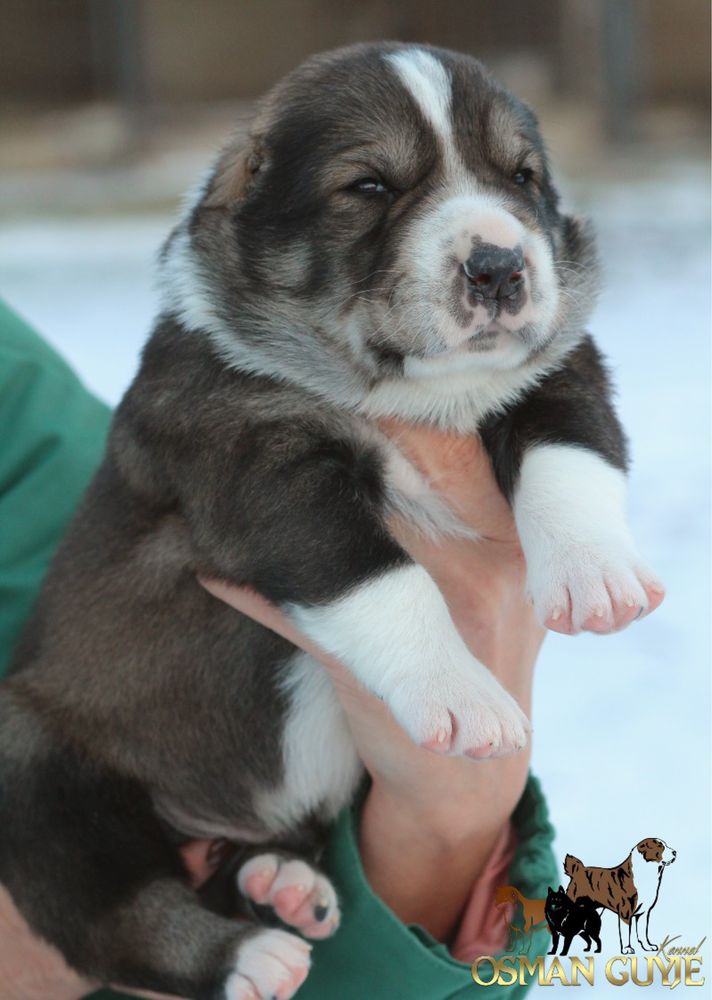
x=374, y=955
x=52, y=434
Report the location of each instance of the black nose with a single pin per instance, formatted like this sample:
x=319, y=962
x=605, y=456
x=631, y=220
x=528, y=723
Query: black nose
x=495, y=272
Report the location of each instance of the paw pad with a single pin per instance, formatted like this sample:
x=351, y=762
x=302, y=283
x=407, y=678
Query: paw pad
x=299, y=895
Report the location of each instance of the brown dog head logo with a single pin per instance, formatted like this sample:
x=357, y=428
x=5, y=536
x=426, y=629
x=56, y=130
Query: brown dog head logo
x=653, y=849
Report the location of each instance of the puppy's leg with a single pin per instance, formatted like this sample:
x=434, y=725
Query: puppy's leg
x=164, y=940
x=95, y=873
x=583, y=568
x=396, y=634
x=560, y=457
x=319, y=546
x=554, y=941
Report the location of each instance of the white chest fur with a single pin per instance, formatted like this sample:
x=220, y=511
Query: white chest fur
x=452, y=394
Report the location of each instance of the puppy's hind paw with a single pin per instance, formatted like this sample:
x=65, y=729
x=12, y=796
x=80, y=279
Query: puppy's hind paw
x=300, y=896
x=270, y=965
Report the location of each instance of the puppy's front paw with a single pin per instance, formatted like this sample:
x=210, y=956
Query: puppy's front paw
x=460, y=712
x=270, y=964
x=592, y=588
x=299, y=895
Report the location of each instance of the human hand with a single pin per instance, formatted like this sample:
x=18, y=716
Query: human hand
x=447, y=812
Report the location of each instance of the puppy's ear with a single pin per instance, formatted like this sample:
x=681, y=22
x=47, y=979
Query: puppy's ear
x=234, y=174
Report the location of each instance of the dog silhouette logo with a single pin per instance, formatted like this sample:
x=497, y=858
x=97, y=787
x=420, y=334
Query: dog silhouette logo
x=630, y=890
x=541, y=931
x=568, y=918
x=508, y=900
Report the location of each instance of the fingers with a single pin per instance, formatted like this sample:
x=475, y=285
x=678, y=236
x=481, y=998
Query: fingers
x=434, y=449
x=252, y=604
x=255, y=606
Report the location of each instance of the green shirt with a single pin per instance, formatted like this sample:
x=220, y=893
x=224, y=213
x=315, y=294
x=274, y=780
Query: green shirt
x=52, y=434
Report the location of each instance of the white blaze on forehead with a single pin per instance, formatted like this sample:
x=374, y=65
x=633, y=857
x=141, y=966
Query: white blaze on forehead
x=428, y=82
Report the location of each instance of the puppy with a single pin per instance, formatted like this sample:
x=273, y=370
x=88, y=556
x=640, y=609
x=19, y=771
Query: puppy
x=630, y=889
x=388, y=241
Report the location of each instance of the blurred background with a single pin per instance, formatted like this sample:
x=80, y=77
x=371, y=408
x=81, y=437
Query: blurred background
x=111, y=109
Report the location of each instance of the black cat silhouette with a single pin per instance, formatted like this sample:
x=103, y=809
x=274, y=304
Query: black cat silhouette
x=568, y=917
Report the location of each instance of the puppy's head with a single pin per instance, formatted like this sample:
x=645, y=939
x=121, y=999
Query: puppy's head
x=391, y=213
x=656, y=850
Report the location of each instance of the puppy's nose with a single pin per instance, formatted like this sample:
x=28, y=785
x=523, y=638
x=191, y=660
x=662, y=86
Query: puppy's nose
x=495, y=272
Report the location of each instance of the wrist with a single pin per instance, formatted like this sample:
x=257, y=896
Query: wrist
x=450, y=801
x=424, y=868
x=497, y=621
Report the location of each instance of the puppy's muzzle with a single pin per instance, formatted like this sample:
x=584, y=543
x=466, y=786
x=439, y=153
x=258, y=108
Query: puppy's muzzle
x=495, y=273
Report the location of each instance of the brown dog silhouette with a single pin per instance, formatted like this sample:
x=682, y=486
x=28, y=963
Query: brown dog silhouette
x=532, y=910
x=629, y=890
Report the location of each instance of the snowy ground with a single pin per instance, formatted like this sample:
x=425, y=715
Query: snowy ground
x=622, y=723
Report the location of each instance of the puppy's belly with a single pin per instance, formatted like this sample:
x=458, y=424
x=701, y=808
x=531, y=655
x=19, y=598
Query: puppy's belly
x=321, y=766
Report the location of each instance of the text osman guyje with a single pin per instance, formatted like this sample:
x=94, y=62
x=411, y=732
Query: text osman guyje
x=661, y=969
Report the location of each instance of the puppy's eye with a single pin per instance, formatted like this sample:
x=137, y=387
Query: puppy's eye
x=370, y=185
x=523, y=176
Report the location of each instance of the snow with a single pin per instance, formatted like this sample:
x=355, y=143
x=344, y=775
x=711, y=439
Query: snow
x=622, y=723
